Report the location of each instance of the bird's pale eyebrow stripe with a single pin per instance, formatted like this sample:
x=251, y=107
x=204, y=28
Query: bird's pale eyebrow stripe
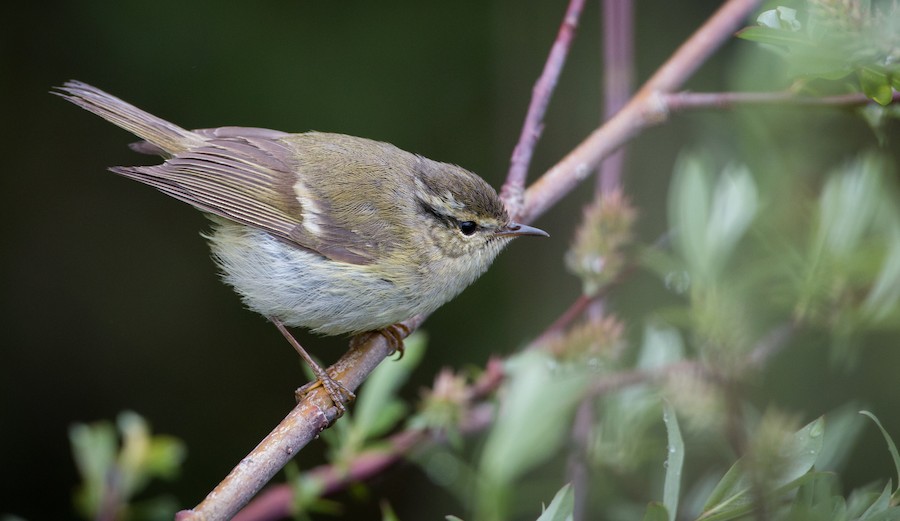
x=452, y=202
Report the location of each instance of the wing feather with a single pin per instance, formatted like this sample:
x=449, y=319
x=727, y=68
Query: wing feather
x=250, y=180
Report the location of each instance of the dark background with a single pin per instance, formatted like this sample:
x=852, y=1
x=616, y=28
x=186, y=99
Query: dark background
x=110, y=301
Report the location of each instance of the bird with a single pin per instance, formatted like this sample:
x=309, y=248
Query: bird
x=337, y=234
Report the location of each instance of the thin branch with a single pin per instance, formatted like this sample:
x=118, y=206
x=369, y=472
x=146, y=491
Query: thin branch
x=275, y=502
x=618, y=73
x=313, y=414
x=578, y=471
x=580, y=306
x=644, y=110
x=683, y=101
x=562, y=322
x=513, y=188
x=618, y=76
x=772, y=344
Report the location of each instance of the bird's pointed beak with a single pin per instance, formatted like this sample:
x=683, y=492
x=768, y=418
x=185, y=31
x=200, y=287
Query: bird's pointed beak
x=516, y=229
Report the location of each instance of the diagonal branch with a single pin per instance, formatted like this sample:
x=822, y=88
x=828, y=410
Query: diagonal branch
x=684, y=101
x=643, y=111
x=314, y=413
x=276, y=501
x=513, y=188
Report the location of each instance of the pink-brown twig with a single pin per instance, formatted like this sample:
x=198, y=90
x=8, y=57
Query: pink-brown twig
x=513, y=188
x=644, y=110
x=313, y=414
x=684, y=101
x=618, y=76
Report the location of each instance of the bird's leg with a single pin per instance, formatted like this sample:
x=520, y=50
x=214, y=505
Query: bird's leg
x=338, y=393
x=394, y=334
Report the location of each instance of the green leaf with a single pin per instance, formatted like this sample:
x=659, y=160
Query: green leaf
x=876, y=84
x=562, y=507
x=94, y=449
x=387, y=513
x=729, y=490
x=534, y=417
x=657, y=512
x=689, y=211
x=733, y=208
x=803, y=450
x=731, y=497
x=844, y=429
x=307, y=496
x=144, y=456
x=770, y=36
x=377, y=409
x=709, y=221
x=818, y=499
x=860, y=499
x=744, y=502
x=846, y=207
x=892, y=448
x=879, y=505
x=112, y=471
x=885, y=292
x=674, y=462
x=892, y=514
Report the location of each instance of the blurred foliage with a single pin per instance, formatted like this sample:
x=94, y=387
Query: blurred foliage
x=378, y=409
x=597, y=255
x=764, y=271
x=854, y=44
x=118, y=462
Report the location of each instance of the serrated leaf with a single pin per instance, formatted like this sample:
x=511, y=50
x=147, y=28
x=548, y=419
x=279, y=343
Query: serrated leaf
x=562, y=507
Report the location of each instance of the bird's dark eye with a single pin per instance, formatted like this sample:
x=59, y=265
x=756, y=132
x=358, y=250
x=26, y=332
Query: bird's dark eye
x=468, y=227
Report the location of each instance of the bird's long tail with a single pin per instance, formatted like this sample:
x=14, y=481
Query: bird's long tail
x=167, y=137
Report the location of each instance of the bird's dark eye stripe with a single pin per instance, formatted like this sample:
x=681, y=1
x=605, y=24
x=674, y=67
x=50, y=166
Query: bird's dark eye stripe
x=428, y=209
x=468, y=227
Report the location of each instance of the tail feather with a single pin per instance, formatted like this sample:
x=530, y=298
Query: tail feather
x=165, y=136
